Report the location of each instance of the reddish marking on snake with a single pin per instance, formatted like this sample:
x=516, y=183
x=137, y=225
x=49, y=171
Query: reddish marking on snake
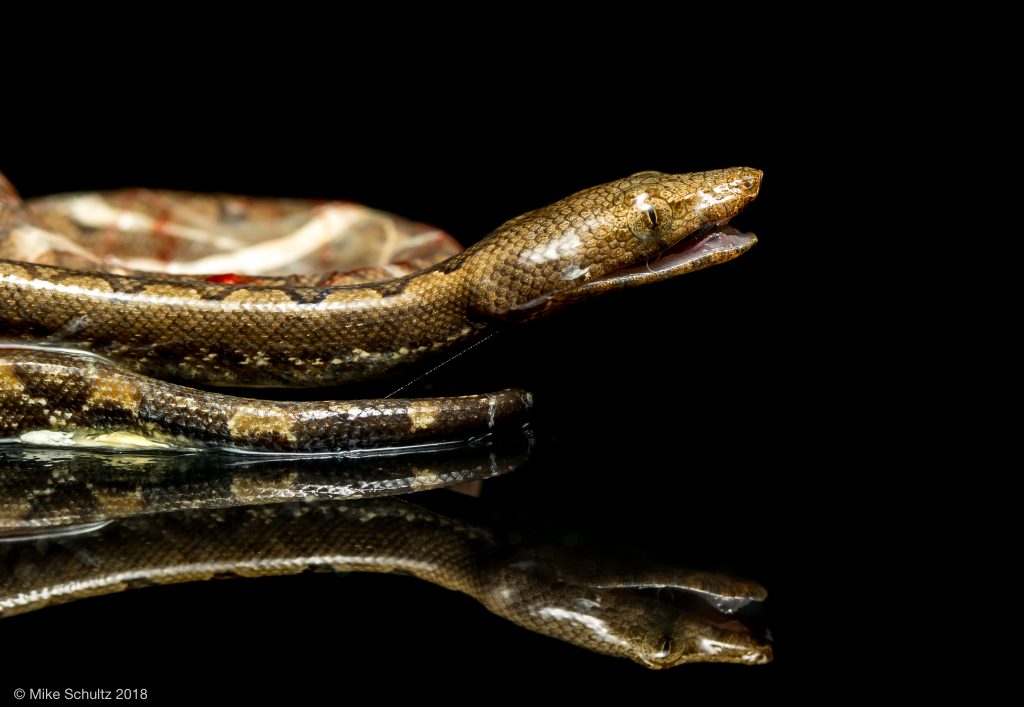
x=231, y=279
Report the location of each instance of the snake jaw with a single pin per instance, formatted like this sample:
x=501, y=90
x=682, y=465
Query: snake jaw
x=710, y=246
x=702, y=250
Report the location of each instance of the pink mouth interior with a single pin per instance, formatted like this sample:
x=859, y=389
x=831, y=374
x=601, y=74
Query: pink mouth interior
x=689, y=252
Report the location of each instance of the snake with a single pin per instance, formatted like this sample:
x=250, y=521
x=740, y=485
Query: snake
x=609, y=604
x=97, y=358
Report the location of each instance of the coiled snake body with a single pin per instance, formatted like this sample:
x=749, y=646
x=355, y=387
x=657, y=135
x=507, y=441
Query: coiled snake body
x=140, y=330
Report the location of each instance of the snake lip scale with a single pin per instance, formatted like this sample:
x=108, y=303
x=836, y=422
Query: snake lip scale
x=155, y=335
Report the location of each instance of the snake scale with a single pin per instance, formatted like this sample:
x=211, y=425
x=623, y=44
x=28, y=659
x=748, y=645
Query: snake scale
x=123, y=348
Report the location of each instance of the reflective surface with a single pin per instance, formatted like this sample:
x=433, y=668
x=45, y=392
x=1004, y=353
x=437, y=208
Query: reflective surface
x=45, y=489
x=78, y=526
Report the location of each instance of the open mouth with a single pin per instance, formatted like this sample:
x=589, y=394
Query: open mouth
x=712, y=244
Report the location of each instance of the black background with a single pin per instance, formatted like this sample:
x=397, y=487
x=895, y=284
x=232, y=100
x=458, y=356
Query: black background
x=691, y=417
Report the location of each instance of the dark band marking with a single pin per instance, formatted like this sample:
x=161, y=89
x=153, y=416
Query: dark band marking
x=391, y=287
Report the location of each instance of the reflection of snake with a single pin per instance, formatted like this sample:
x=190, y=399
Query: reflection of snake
x=595, y=603
x=45, y=490
x=644, y=228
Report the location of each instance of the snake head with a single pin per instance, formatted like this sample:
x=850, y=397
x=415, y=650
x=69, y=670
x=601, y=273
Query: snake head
x=672, y=628
x=694, y=640
x=656, y=614
x=644, y=228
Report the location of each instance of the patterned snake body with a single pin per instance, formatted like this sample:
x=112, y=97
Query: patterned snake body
x=641, y=229
x=591, y=604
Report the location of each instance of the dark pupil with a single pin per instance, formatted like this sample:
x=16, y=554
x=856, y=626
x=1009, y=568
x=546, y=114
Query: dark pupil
x=652, y=215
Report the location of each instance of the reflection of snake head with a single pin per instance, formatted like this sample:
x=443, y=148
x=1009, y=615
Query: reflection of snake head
x=693, y=640
x=661, y=634
x=657, y=615
x=647, y=227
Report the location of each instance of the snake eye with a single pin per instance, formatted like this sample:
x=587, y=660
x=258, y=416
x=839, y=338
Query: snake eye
x=666, y=648
x=650, y=216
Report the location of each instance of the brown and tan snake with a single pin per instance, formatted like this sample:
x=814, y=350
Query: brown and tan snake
x=111, y=343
